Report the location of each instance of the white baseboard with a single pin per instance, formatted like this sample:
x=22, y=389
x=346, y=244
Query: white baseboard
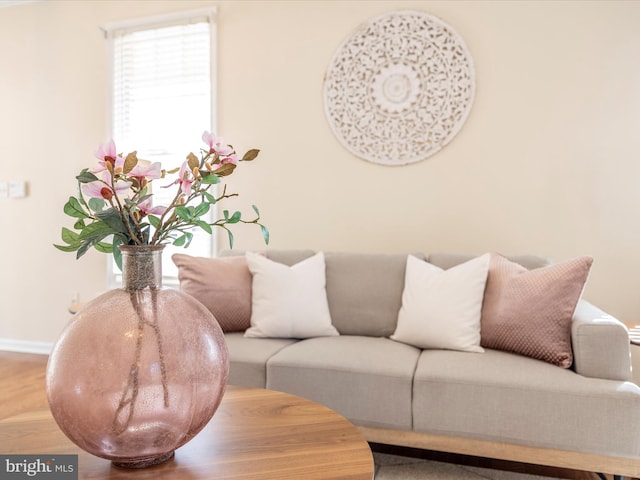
x=25, y=346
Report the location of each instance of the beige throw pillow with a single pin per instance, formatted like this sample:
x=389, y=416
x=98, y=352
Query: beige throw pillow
x=223, y=285
x=289, y=302
x=529, y=312
x=442, y=308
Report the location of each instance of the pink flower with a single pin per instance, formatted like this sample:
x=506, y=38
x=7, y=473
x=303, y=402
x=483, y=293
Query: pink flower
x=106, y=154
x=107, y=150
x=146, y=208
x=216, y=144
x=148, y=172
x=102, y=188
x=185, y=179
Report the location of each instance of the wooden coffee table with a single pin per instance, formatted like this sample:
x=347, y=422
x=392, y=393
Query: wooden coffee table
x=255, y=434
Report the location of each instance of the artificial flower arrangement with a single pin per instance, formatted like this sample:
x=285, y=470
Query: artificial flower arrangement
x=114, y=205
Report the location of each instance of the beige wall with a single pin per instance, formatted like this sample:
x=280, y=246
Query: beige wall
x=547, y=162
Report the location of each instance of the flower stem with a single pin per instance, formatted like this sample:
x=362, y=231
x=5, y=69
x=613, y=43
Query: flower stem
x=126, y=406
x=163, y=227
x=124, y=218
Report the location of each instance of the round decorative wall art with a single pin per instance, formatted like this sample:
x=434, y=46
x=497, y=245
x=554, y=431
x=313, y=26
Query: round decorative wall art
x=400, y=88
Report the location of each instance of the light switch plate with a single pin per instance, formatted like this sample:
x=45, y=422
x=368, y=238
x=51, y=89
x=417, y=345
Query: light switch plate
x=4, y=189
x=17, y=189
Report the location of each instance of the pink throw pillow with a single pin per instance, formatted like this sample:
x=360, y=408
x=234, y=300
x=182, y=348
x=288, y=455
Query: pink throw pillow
x=529, y=312
x=223, y=285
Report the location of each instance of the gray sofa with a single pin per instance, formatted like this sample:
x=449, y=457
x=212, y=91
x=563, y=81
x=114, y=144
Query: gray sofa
x=494, y=404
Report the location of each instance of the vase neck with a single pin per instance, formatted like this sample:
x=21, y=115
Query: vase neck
x=141, y=266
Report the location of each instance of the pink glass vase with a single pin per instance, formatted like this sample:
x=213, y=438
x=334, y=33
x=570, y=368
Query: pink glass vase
x=138, y=371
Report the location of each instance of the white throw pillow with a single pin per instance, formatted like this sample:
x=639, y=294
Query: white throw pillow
x=442, y=308
x=289, y=302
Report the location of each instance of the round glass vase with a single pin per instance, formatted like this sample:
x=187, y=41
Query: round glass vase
x=139, y=370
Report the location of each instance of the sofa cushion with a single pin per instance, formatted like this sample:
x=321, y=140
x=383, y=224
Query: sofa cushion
x=365, y=291
x=289, y=302
x=368, y=380
x=499, y=396
x=530, y=311
x=223, y=285
x=441, y=308
x=248, y=358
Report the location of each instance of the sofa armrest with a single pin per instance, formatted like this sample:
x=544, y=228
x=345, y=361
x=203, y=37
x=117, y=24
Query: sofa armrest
x=600, y=344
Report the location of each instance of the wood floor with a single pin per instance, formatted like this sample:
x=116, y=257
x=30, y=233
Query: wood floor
x=21, y=383
x=22, y=379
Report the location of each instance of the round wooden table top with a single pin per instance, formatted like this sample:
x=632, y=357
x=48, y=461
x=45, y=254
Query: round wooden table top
x=255, y=434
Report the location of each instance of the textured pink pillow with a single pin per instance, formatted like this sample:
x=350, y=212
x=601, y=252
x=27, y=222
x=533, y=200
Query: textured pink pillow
x=223, y=285
x=529, y=312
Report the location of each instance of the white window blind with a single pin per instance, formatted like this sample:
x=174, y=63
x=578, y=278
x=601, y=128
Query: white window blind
x=161, y=97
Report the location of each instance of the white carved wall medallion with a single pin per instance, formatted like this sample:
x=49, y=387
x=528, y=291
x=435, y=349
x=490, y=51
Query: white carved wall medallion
x=400, y=88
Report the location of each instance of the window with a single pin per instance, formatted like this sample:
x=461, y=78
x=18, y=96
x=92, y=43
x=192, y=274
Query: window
x=161, y=98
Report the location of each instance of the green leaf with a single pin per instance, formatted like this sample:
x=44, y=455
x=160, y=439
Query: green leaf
x=180, y=241
x=201, y=209
x=85, y=246
x=153, y=220
x=79, y=225
x=183, y=213
x=235, y=218
x=230, y=238
x=204, y=226
x=255, y=209
x=210, y=198
x=189, y=236
x=210, y=179
x=96, y=231
x=74, y=209
x=265, y=234
x=69, y=236
x=104, y=247
x=68, y=248
x=112, y=218
x=117, y=254
x=250, y=155
x=96, y=204
x=86, y=176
